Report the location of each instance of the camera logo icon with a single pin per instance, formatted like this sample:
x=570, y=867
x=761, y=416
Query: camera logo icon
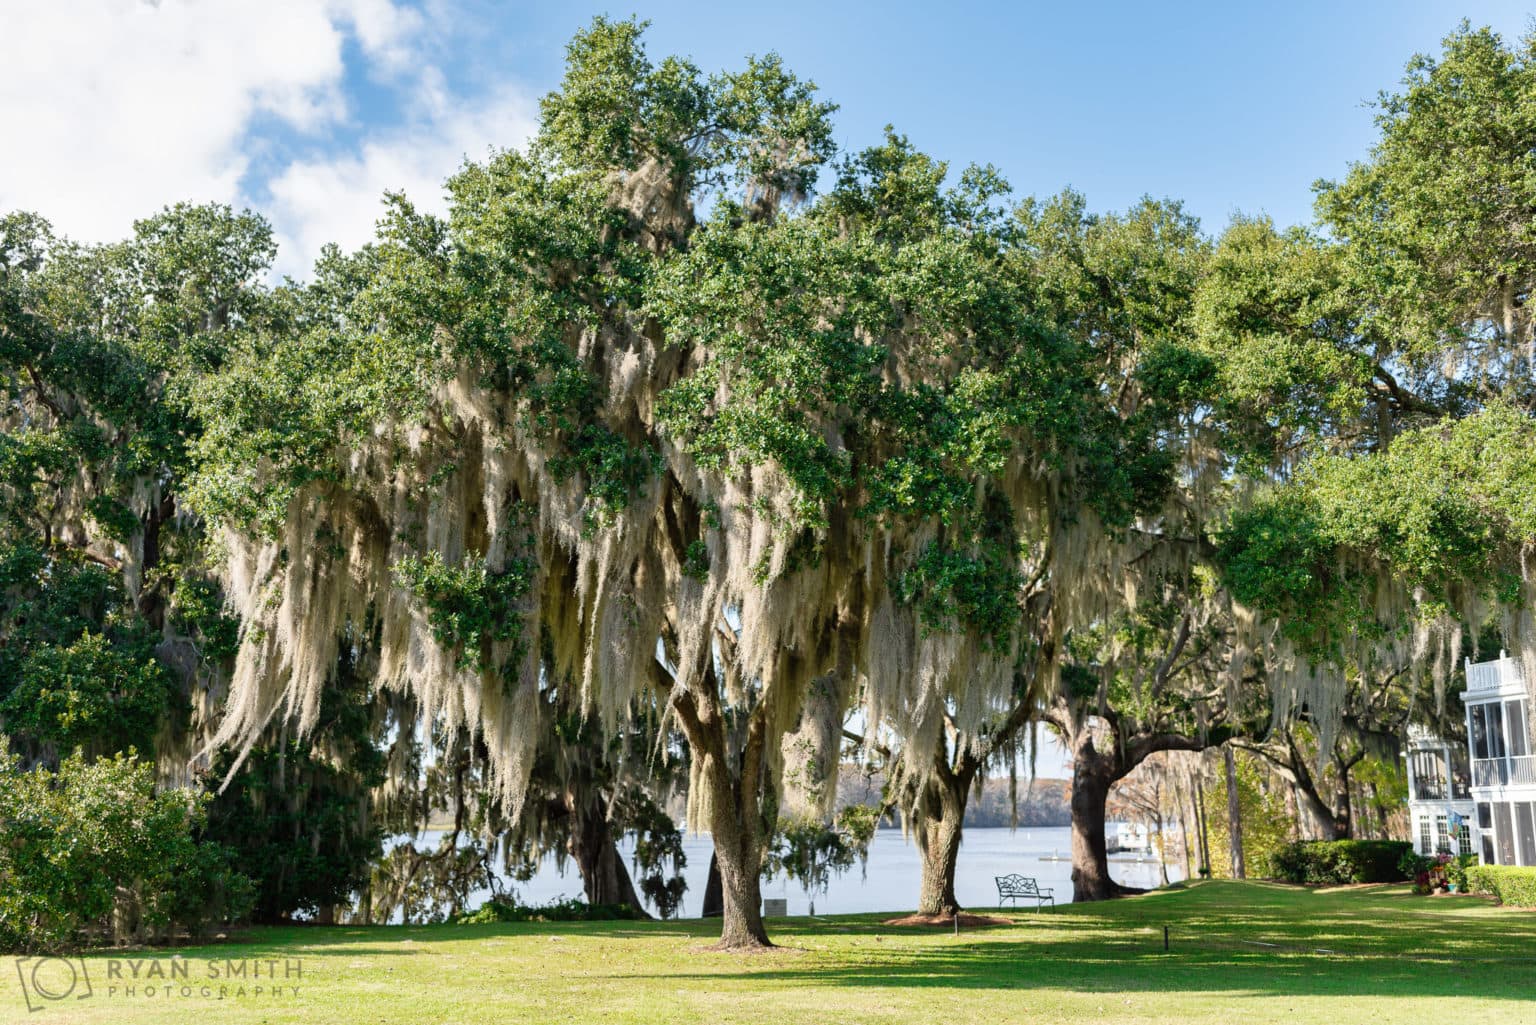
x=47, y=980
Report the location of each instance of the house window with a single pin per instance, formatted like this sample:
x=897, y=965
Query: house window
x=1485, y=831
x=1463, y=838
x=1504, y=834
x=1514, y=716
x=1461, y=774
x=1426, y=843
x=1525, y=824
x=1442, y=835
x=1487, y=731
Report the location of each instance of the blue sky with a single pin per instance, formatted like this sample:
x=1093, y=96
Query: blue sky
x=1227, y=105
x=309, y=109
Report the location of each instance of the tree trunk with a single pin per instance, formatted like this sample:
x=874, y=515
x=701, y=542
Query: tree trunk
x=735, y=808
x=938, y=838
x=151, y=602
x=1200, y=824
x=1304, y=789
x=740, y=857
x=604, y=876
x=1090, y=854
x=714, y=900
x=1234, y=817
x=1343, y=818
x=733, y=803
x=1162, y=836
x=1178, y=797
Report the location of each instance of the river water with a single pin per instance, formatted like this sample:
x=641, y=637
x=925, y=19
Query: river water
x=890, y=882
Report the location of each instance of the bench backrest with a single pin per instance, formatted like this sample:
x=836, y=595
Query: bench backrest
x=1017, y=884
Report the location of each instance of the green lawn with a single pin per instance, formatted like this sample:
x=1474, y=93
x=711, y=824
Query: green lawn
x=1240, y=952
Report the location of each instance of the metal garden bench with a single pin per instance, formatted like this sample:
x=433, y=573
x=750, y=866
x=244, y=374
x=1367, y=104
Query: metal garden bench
x=1017, y=887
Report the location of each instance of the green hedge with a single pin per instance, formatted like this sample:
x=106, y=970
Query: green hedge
x=1510, y=884
x=1338, y=861
x=507, y=909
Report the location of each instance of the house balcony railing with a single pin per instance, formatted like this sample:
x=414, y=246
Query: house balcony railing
x=1429, y=790
x=1493, y=675
x=1488, y=772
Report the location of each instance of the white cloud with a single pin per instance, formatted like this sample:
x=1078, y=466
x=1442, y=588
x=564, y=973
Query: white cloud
x=338, y=198
x=110, y=109
x=385, y=31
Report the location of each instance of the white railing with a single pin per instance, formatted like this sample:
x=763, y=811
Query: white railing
x=1522, y=770
x=1429, y=789
x=1491, y=675
x=1488, y=772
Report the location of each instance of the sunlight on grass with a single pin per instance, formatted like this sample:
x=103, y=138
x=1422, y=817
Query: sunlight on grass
x=1248, y=951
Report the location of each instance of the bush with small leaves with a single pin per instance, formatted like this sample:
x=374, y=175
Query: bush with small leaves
x=95, y=852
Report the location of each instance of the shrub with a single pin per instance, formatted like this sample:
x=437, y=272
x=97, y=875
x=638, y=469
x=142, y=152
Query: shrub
x=1339, y=861
x=1456, y=871
x=507, y=909
x=1420, y=869
x=296, y=816
x=1512, y=885
x=94, y=851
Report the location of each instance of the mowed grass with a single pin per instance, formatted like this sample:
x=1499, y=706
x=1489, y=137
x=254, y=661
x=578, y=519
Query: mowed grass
x=1239, y=952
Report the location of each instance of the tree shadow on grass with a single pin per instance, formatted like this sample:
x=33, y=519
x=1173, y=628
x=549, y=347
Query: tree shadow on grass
x=1239, y=939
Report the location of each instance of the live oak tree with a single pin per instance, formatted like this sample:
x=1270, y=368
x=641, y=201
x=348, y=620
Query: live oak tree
x=1400, y=524
x=110, y=624
x=646, y=439
x=1151, y=660
x=575, y=433
x=482, y=463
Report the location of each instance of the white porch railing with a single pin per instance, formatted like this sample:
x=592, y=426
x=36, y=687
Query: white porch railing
x=1487, y=772
x=1491, y=675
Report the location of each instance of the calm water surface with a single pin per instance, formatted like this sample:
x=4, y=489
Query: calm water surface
x=890, y=882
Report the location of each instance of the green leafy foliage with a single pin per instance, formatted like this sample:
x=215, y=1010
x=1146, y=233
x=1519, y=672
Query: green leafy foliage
x=1512, y=885
x=470, y=606
x=811, y=851
x=1445, y=507
x=953, y=590
x=79, y=667
x=1266, y=823
x=1434, y=221
x=1332, y=862
x=507, y=909
x=95, y=850
x=88, y=694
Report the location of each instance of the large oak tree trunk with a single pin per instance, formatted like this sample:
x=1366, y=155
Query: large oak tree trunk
x=740, y=856
x=1090, y=854
x=938, y=838
x=604, y=876
x=734, y=806
x=1234, y=817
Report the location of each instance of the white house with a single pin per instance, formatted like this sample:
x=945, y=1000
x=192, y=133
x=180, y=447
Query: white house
x=1503, y=764
x=1439, y=794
